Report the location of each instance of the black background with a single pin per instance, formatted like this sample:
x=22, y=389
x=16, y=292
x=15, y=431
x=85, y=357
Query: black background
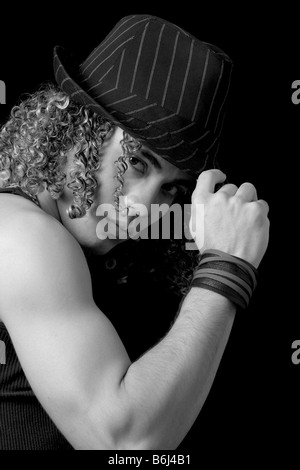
x=252, y=411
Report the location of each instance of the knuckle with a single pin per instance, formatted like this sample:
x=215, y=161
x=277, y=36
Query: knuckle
x=249, y=185
x=209, y=173
x=220, y=197
x=258, y=212
x=230, y=186
x=203, y=174
x=264, y=204
x=255, y=208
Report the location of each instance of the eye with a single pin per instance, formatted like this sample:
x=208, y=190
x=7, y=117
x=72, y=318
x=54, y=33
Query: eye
x=171, y=189
x=137, y=164
x=177, y=191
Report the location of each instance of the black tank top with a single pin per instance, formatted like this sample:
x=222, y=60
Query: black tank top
x=24, y=425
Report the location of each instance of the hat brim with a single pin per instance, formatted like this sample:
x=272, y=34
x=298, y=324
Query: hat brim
x=67, y=75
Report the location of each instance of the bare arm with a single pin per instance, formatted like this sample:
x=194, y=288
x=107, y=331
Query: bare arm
x=77, y=364
x=168, y=385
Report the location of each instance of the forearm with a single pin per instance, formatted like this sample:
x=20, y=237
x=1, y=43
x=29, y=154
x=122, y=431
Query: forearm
x=166, y=388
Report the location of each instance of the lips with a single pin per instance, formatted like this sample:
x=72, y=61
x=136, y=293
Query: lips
x=121, y=225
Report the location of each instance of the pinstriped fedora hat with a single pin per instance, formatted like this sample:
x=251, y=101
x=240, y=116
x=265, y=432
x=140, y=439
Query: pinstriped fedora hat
x=159, y=83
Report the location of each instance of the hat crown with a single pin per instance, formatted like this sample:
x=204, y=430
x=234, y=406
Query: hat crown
x=159, y=62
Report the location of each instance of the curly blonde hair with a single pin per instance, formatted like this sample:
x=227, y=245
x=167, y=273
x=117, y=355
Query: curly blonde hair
x=34, y=142
x=36, y=138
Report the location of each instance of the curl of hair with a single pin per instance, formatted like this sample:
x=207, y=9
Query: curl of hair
x=129, y=147
x=34, y=143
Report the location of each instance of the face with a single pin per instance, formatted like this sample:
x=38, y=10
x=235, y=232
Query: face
x=148, y=180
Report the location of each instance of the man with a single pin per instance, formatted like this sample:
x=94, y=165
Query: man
x=133, y=126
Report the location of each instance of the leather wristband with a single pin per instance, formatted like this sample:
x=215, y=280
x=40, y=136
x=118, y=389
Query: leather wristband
x=228, y=275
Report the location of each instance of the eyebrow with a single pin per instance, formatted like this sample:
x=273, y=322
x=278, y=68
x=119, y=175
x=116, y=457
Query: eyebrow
x=148, y=156
x=151, y=158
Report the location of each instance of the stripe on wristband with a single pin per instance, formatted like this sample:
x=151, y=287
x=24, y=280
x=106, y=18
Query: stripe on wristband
x=225, y=274
x=223, y=267
x=228, y=283
x=209, y=284
x=209, y=256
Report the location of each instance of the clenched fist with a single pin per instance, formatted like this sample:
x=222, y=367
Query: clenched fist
x=235, y=221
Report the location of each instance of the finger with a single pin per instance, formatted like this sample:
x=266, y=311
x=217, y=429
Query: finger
x=207, y=181
x=229, y=189
x=247, y=191
x=264, y=205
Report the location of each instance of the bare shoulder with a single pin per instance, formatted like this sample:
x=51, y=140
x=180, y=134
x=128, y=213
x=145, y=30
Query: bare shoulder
x=38, y=256
x=19, y=216
x=27, y=229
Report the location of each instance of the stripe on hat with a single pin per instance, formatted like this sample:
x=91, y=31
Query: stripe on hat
x=200, y=138
x=138, y=57
x=117, y=79
x=186, y=75
x=106, y=58
x=215, y=93
x=114, y=31
x=170, y=70
x=90, y=62
x=154, y=62
x=201, y=84
x=224, y=100
x=185, y=159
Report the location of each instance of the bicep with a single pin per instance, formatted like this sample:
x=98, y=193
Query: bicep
x=69, y=350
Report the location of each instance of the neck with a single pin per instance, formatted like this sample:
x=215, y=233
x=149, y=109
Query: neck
x=49, y=205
